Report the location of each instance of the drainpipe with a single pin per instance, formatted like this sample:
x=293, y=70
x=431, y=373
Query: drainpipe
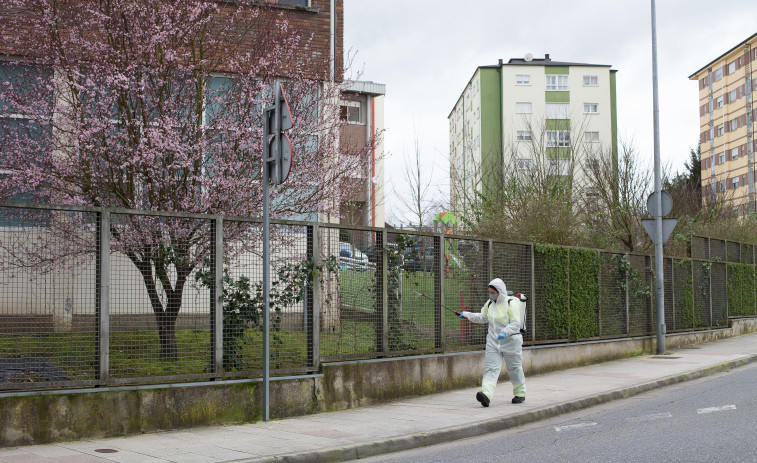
x=373, y=160
x=332, y=42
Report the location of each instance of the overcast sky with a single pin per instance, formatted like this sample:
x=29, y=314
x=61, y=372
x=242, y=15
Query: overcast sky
x=426, y=51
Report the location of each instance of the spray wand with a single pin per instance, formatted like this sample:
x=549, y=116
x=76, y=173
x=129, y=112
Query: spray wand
x=447, y=308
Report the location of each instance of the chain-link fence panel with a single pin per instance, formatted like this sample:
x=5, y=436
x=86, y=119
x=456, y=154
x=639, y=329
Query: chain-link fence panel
x=702, y=273
x=159, y=311
x=683, y=294
x=639, y=294
x=351, y=316
x=719, y=295
x=512, y=263
x=612, y=298
x=466, y=277
x=48, y=324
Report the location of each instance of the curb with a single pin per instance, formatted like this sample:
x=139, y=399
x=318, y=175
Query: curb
x=443, y=435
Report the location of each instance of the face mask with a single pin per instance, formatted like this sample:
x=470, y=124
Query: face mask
x=493, y=297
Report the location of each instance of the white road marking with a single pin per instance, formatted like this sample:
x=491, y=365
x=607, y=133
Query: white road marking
x=655, y=416
x=715, y=409
x=574, y=426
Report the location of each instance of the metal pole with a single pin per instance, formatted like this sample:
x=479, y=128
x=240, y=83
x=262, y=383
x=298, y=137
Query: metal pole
x=266, y=263
x=658, y=264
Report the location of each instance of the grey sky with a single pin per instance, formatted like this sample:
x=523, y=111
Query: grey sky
x=426, y=51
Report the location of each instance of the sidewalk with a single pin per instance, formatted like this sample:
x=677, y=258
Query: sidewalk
x=410, y=423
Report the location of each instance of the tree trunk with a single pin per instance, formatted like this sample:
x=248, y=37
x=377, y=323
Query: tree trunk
x=169, y=347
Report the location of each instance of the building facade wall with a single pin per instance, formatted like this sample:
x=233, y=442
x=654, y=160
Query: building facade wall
x=726, y=120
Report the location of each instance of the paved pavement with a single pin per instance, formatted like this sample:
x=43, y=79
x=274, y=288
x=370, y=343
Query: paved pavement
x=405, y=424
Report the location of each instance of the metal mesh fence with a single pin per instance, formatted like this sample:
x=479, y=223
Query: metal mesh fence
x=717, y=250
x=700, y=248
x=512, y=263
x=613, y=320
x=337, y=292
x=159, y=314
x=733, y=251
x=351, y=320
x=719, y=295
x=639, y=295
x=466, y=277
x=47, y=310
x=701, y=289
x=683, y=295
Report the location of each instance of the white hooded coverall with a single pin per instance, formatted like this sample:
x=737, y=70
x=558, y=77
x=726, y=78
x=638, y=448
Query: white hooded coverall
x=502, y=315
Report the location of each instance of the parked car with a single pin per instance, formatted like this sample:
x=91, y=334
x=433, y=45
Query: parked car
x=374, y=252
x=351, y=258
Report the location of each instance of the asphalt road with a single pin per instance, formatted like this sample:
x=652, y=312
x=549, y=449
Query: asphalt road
x=713, y=419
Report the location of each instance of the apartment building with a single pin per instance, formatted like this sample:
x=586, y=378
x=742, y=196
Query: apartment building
x=526, y=111
x=362, y=107
x=726, y=121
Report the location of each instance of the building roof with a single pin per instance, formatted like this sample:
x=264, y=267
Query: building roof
x=741, y=44
x=365, y=86
x=546, y=61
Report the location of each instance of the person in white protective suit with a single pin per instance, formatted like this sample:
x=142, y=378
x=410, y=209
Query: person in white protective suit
x=505, y=316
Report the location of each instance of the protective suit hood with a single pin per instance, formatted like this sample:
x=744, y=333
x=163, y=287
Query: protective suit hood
x=499, y=285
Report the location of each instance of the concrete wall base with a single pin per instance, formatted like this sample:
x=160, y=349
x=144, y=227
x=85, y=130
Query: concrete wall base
x=52, y=416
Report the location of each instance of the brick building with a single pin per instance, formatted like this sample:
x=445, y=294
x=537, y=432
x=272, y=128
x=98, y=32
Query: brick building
x=726, y=120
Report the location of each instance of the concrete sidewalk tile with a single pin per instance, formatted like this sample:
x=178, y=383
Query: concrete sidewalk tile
x=193, y=458
x=81, y=458
x=26, y=458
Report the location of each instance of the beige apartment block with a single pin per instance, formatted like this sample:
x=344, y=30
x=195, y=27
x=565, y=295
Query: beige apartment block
x=726, y=121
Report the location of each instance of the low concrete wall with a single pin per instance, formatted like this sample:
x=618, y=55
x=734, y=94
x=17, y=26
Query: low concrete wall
x=33, y=418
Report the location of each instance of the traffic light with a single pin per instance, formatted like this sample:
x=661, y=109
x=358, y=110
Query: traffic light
x=278, y=148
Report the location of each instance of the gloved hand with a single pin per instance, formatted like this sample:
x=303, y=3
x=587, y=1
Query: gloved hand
x=460, y=314
x=501, y=335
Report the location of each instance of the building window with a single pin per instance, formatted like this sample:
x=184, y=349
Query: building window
x=524, y=135
x=734, y=124
x=735, y=183
x=590, y=81
x=733, y=95
x=557, y=83
x=558, y=111
x=720, y=130
x=719, y=102
x=522, y=79
x=721, y=186
x=350, y=112
x=721, y=158
x=732, y=67
x=734, y=154
x=523, y=108
x=524, y=164
x=591, y=108
x=591, y=137
x=717, y=74
x=591, y=164
x=558, y=138
x=558, y=167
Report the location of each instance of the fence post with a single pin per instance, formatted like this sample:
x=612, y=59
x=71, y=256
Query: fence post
x=673, y=291
x=313, y=298
x=489, y=260
x=382, y=297
x=216, y=291
x=439, y=292
x=532, y=297
x=627, y=269
x=102, y=290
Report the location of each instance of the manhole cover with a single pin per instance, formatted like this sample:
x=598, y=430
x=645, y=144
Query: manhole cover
x=106, y=450
x=665, y=357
